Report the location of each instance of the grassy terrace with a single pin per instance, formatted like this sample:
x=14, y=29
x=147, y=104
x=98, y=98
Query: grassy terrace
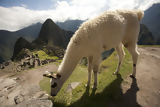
x=109, y=85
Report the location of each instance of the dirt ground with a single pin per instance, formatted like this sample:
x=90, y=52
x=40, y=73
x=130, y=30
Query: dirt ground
x=144, y=91
x=24, y=87
x=148, y=77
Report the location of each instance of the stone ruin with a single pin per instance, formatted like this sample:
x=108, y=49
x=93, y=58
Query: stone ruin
x=27, y=62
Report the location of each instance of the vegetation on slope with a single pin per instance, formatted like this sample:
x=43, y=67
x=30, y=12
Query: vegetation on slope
x=42, y=55
x=109, y=85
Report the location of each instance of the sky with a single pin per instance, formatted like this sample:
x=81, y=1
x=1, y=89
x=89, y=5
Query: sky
x=17, y=14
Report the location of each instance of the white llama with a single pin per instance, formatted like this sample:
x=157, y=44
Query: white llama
x=112, y=29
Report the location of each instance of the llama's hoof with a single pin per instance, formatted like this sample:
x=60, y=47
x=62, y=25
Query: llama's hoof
x=115, y=73
x=132, y=76
x=94, y=87
x=87, y=86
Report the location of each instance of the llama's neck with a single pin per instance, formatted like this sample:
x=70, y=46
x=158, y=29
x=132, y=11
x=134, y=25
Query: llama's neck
x=69, y=63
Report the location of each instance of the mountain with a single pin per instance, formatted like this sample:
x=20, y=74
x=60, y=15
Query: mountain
x=70, y=25
x=8, y=39
x=19, y=45
x=151, y=20
x=145, y=36
x=52, y=35
x=52, y=39
x=31, y=32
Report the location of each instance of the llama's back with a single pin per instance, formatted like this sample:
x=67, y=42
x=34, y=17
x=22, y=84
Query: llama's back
x=108, y=30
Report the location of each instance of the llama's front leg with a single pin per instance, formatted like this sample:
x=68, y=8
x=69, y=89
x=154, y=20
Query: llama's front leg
x=89, y=70
x=95, y=70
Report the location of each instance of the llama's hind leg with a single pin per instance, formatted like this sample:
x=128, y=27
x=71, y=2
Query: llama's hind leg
x=133, y=51
x=121, y=54
x=90, y=59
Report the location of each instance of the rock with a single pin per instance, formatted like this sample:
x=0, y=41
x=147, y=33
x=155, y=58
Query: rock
x=32, y=62
x=106, y=54
x=51, y=60
x=43, y=62
x=18, y=99
x=19, y=68
x=6, y=83
x=36, y=103
x=6, y=63
x=36, y=55
x=2, y=99
x=72, y=86
x=37, y=62
x=8, y=90
x=1, y=66
x=16, y=78
x=41, y=94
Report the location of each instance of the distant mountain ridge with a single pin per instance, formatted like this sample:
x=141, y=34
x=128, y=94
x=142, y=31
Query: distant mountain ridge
x=8, y=39
x=30, y=33
x=70, y=25
x=151, y=20
x=51, y=38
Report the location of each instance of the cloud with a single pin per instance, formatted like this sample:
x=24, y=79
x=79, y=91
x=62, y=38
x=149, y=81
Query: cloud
x=14, y=18
x=24, y=5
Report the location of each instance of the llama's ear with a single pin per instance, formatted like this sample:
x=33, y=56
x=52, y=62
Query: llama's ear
x=54, y=76
x=58, y=76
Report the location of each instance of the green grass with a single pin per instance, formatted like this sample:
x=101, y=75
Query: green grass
x=42, y=55
x=109, y=85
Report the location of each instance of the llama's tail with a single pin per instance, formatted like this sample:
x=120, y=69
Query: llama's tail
x=140, y=14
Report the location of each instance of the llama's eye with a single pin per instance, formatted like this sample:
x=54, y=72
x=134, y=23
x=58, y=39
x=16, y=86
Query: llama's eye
x=54, y=85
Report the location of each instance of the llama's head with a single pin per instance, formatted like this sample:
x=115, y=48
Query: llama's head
x=55, y=83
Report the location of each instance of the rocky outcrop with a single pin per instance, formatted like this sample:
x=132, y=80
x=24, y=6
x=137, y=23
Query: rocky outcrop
x=7, y=64
x=13, y=94
x=27, y=61
x=36, y=103
x=55, y=51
